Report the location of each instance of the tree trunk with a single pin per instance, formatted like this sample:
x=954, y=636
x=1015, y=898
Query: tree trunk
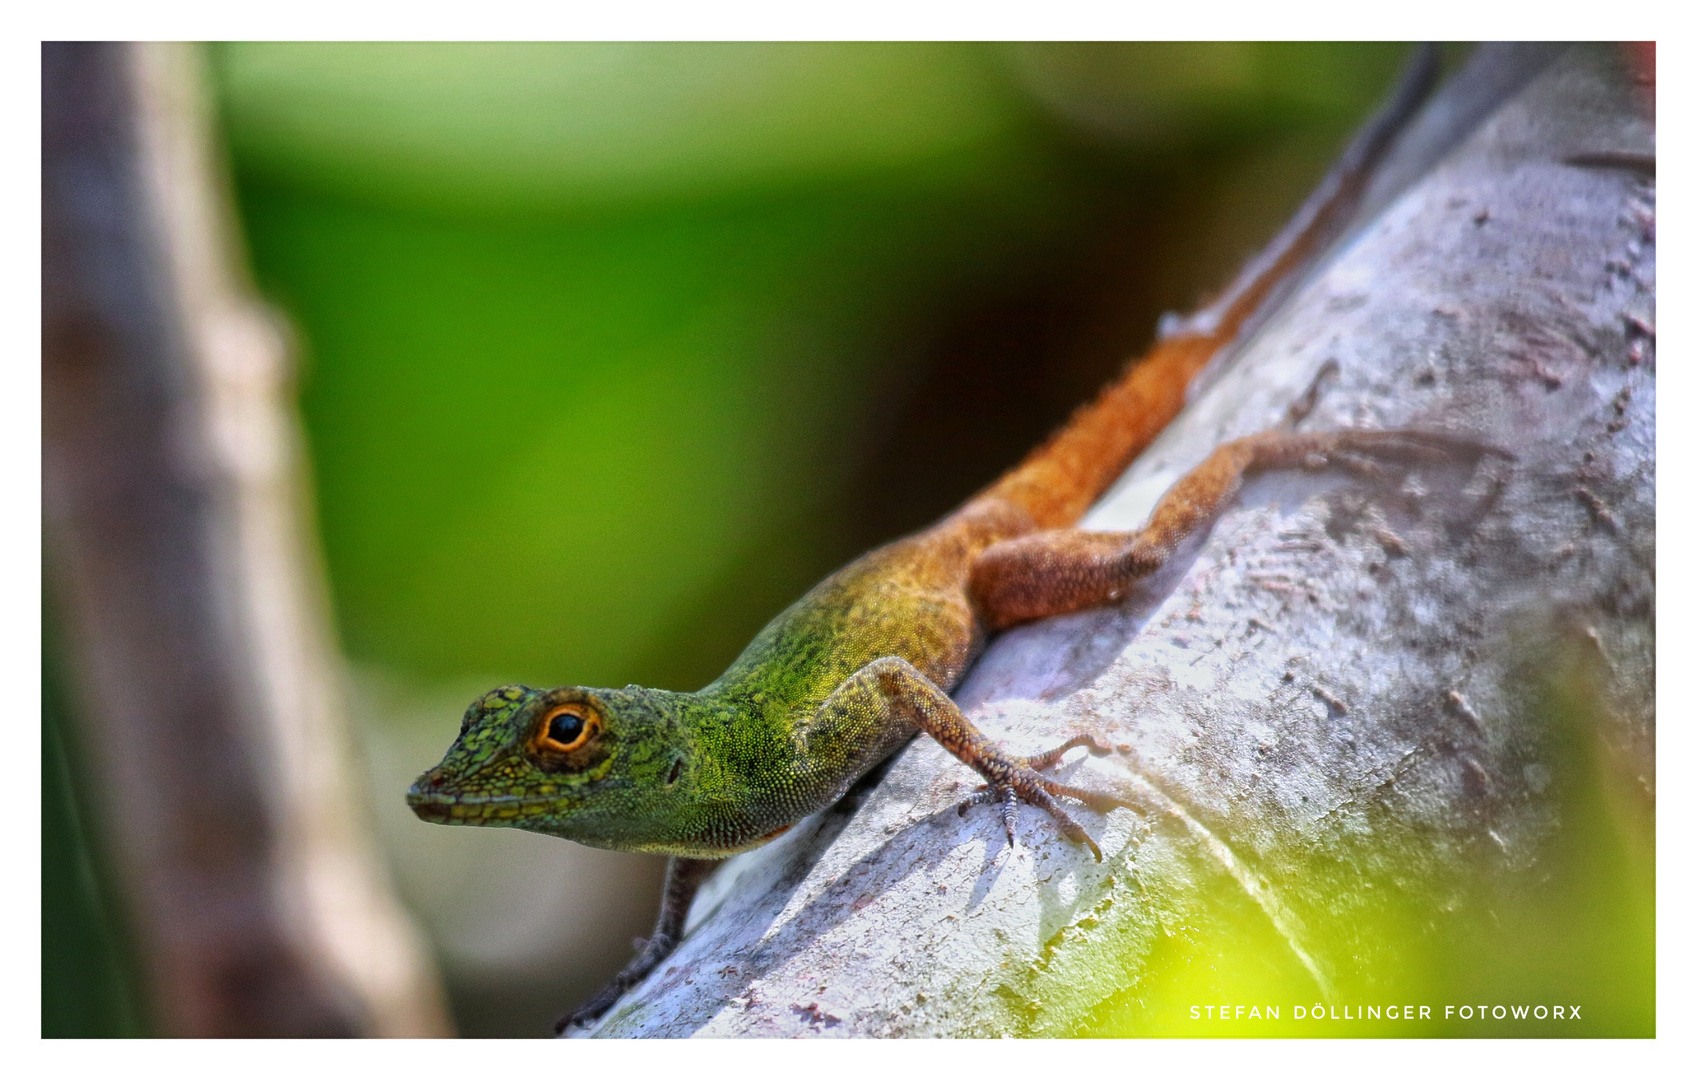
x=1362, y=719
x=183, y=566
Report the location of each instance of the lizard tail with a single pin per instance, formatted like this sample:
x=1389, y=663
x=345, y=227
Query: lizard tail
x=1058, y=481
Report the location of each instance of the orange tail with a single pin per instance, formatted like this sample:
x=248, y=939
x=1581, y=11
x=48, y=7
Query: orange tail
x=1059, y=480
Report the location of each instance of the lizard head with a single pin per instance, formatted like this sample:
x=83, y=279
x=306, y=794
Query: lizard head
x=587, y=765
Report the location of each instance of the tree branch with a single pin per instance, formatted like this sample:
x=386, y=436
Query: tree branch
x=182, y=562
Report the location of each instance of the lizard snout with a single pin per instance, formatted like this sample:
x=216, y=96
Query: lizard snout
x=428, y=797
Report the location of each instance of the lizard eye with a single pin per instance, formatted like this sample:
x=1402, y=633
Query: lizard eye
x=565, y=729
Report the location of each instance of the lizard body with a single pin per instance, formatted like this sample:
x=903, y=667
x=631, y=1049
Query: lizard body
x=863, y=661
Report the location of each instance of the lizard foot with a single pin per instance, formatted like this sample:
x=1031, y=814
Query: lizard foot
x=1019, y=782
x=654, y=950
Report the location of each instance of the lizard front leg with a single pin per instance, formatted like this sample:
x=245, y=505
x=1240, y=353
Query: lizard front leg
x=904, y=696
x=1061, y=570
x=683, y=880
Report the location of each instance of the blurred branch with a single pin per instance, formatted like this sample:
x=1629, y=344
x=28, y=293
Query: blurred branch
x=1330, y=713
x=182, y=560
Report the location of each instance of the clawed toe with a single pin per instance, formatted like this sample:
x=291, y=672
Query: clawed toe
x=1416, y=445
x=977, y=798
x=1071, y=829
x=1026, y=786
x=568, y=1020
x=1098, y=801
x=1050, y=758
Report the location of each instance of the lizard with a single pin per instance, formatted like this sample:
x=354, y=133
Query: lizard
x=854, y=669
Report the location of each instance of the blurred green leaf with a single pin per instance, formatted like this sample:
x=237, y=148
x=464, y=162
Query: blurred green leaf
x=1577, y=928
x=475, y=126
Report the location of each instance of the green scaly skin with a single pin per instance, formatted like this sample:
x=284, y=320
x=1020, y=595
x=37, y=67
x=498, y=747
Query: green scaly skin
x=722, y=770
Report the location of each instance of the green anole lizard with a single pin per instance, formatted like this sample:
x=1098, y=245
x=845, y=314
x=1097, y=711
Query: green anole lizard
x=851, y=671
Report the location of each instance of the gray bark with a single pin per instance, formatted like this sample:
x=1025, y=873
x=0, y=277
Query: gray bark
x=1334, y=696
x=180, y=554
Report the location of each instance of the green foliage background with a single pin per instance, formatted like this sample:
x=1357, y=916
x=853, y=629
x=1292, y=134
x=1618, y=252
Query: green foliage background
x=590, y=328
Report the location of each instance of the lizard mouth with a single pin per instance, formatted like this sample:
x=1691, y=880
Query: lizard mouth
x=431, y=800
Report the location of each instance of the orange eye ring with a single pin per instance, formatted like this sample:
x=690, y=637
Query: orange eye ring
x=565, y=728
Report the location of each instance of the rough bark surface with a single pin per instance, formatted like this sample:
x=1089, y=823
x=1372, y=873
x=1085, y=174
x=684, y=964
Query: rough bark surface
x=1331, y=688
x=180, y=550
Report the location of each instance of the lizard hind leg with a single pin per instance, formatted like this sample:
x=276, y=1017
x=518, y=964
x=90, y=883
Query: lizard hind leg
x=1009, y=779
x=1061, y=570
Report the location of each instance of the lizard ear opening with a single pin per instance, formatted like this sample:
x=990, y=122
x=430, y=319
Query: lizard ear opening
x=566, y=728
